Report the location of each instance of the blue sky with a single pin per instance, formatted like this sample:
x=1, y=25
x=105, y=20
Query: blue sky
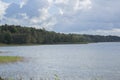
x=69, y=16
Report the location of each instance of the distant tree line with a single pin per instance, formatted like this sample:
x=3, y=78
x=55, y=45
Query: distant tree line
x=11, y=34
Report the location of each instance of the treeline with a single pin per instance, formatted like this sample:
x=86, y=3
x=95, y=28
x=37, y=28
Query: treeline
x=11, y=34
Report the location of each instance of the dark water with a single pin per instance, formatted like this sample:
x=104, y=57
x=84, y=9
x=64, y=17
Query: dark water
x=97, y=61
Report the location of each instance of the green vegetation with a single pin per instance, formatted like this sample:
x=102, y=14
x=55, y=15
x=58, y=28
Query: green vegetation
x=11, y=34
x=9, y=59
x=56, y=77
x=1, y=78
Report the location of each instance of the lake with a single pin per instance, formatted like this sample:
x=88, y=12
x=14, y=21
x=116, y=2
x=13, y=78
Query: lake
x=94, y=61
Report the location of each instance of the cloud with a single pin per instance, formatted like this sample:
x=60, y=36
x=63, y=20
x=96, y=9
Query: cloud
x=22, y=3
x=61, y=11
x=63, y=15
x=3, y=7
x=43, y=13
x=114, y=31
x=72, y=6
x=28, y=15
x=102, y=15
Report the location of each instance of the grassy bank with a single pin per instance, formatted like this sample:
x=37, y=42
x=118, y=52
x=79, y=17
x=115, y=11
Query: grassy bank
x=10, y=59
x=1, y=44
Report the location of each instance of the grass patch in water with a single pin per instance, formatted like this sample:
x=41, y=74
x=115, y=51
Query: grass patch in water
x=10, y=59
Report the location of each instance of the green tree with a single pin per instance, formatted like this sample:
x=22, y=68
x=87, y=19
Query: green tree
x=7, y=37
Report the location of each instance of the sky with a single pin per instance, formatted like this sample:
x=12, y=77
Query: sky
x=97, y=17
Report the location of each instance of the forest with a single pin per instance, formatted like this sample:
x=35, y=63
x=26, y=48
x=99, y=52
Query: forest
x=16, y=34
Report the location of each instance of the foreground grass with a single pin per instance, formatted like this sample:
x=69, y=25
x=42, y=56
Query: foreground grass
x=10, y=59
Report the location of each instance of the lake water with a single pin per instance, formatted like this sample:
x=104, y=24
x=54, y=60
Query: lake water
x=95, y=61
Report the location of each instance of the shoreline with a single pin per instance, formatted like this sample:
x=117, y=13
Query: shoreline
x=1, y=44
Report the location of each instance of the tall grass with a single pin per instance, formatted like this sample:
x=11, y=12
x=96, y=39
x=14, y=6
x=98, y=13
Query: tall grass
x=9, y=59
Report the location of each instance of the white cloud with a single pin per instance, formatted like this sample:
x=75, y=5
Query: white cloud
x=73, y=6
x=61, y=11
x=3, y=7
x=44, y=19
x=90, y=16
x=83, y=4
x=22, y=3
x=12, y=20
x=43, y=16
x=114, y=31
x=69, y=7
x=50, y=1
x=61, y=1
x=63, y=7
x=24, y=15
x=49, y=24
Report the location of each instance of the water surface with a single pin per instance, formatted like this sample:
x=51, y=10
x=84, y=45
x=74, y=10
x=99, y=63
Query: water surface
x=69, y=62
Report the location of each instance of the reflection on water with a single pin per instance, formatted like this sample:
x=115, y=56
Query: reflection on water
x=99, y=61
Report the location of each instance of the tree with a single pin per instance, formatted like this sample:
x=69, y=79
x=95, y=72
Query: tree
x=7, y=37
x=24, y=35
